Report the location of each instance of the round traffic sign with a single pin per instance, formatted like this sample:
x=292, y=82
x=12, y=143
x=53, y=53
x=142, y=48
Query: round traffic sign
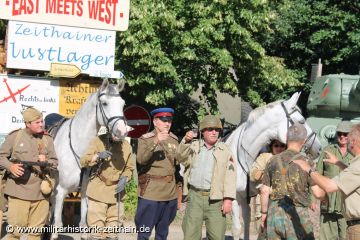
x=139, y=119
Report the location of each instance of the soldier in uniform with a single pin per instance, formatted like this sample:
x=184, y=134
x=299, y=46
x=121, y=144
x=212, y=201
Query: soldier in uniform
x=332, y=222
x=28, y=204
x=158, y=177
x=287, y=213
x=209, y=181
x=110, y=159
x=347, y=182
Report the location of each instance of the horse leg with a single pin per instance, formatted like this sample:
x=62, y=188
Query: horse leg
x=236, y=226
x=84, y=203
x=59, y=201
x=246, y=215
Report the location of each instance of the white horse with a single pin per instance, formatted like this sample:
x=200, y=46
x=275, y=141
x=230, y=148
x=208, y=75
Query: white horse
x=264, y=124
x=103, y=108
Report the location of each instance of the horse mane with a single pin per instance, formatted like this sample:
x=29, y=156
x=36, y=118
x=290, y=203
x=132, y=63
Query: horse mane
x=259, y=111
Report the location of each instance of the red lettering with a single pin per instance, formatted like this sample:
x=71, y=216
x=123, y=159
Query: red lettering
x=79, y=12
x=50, y=6
x=103, y=10
x=25, y=7
x=59, y=6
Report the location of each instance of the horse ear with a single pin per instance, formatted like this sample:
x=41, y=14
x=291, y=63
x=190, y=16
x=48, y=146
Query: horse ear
x=104, y=85
x=120, y=85
x=291, y=103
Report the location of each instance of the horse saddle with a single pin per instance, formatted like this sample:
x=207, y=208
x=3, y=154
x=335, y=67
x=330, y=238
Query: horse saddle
x=53, y=122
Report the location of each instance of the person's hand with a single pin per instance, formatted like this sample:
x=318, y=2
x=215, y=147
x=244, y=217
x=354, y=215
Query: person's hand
x=16, y=169
x=226, y=206
x=189, y=136
x=312, y=206
x=303, y=165
x=331, y=158
x=161, y=136
x=104, y=154
x=42, y=158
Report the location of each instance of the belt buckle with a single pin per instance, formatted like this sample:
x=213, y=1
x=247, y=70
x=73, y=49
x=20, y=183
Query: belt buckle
x=205, y=194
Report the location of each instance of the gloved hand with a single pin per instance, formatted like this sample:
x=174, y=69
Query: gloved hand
x=104, y=154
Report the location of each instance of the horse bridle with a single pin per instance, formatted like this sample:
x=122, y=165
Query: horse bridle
x=103, y=114
x=291, y=122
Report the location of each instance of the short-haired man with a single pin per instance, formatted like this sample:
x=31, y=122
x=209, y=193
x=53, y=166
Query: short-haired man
x=286, y=214
x=209, y=181
x=332, y=222
x=28, y=204
x=348, y=182
x=158, y=177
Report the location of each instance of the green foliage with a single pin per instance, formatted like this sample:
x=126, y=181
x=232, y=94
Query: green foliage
x=172, y=47
x=130, y=199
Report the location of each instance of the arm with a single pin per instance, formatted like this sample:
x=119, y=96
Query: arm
x=332, y=159
x=264, y=199
x=146, y=148
x=325, y=183
x=129, y=161
x=6, y=149
x=90, y=156
x=51, y=154
x=229, y=185
x=184, y=150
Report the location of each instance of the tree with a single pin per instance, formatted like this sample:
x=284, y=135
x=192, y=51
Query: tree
x=172, y=47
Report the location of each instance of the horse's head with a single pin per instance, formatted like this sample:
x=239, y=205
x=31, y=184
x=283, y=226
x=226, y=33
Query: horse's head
x=110, y=109
x=289, y=113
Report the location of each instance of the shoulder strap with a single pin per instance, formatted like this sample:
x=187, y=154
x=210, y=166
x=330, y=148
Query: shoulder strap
x=17, y=139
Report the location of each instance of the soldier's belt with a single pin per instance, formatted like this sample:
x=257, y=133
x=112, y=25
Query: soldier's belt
x=203, y=192
x=168, y=178
x=107, y=181
x=353, y=222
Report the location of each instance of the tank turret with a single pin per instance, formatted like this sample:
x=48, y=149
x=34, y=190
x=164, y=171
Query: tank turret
x=333, y=98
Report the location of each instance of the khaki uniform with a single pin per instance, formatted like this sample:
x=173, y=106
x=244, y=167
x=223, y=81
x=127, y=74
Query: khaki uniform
x=26, y=198
x=258, y=167
x=288, y=216
x=204, y=205
x=332, y=222
x=347, y=182
x=158, y=160
x=103, y=206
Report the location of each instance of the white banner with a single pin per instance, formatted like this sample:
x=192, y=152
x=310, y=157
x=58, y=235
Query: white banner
x=35, y=46
x=98, y=14
x=18, y=92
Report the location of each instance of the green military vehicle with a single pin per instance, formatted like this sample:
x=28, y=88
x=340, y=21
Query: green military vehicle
x=333, y=98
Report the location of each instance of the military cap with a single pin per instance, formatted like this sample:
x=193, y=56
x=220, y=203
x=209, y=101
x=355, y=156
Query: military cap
x=163, y=113
x=31, y=114
x=344, y=126
x=210, y=121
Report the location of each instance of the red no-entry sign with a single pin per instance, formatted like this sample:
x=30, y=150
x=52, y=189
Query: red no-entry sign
x=139, y=119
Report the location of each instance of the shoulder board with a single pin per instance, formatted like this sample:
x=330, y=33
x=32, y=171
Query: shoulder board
x=173, y=136
x=223, y=146
x=14, y=131
x=148, y=135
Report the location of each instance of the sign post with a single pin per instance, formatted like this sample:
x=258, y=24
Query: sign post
x=64, y=70
x=139, y=119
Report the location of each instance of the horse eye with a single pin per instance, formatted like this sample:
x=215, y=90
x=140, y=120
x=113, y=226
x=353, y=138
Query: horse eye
x=302, y=121
x=104, y=104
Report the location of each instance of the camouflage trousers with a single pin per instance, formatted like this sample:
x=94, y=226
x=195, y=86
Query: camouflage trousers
x=285, y=221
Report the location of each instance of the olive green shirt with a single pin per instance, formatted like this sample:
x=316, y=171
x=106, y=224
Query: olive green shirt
x=158, y=159
x=297, y=182
x=349, y=184
x=334, y=203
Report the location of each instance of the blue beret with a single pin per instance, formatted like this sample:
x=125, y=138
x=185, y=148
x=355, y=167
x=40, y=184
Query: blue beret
x=162, y=112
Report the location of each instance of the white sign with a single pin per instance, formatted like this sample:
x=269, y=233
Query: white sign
x=98, y=14
x=104, y=74
x=18, y=92
x=35, y=46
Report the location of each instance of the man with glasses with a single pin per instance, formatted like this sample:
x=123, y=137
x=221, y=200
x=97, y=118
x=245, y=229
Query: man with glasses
x=332, y=222
x=158, y=177
x=209, y=181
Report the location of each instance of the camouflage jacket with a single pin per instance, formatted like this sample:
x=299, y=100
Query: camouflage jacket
x=296, y=184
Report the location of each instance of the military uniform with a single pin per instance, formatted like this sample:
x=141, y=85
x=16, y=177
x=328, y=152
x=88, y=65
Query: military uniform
x=103, y=204
x=26, y=197
x=347, y=181
x=158, y=175
x=205, y=204
x=332, y=222
x=288, y=216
